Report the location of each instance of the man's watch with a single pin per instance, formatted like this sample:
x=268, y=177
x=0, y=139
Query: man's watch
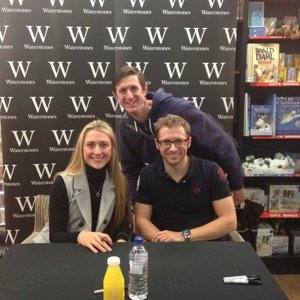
x=186, y=235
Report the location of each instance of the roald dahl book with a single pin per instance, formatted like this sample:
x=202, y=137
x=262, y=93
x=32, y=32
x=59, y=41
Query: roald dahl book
x=262, y=62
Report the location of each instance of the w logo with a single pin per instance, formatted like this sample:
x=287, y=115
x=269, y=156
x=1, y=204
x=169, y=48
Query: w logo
x=38, y=33
x=133, y=2
x=23, y=136
x=41, y=103
x=81, y=102
x=138, y=65
x=115, y=104
x=230, y=36
x=20, y=67
x=13, y=1
x=44, y=169
x=62, y=136
x=8, y=171
x=100, y=67
x=213, y=68
x=78, y=33
x=175, y=69
x=3, y=32
x=25, y=202
x=54, y=1
x=191, y=36
x=180, y=2
x=228, y=103
x=59, y=67
x=212, y=3
x=5, y=103
x=93, y=2
x=119, y=34
x=157, y=34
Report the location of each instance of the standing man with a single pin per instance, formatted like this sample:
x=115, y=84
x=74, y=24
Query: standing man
x=143, y=109
x=182, y=197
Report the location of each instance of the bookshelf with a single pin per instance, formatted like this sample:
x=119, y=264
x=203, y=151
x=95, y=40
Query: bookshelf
x=261, y=146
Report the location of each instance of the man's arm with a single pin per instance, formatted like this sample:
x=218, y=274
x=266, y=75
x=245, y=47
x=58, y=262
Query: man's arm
x=217, y=146
x=130, y=162
x=144, y=226
x=225, y=223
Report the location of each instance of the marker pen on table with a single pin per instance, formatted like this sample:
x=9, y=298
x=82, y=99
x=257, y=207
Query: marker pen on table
x=243, y=279
x=102, y=290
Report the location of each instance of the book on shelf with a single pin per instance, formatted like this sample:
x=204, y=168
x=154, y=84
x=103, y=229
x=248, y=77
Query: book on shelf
x=287, y=115
x=262, y=62
x=246, y=114
x=256, y=12
x=261, y=115
x=284, y=198
x=280, y=243
x=257, y=31
x=270, y=25
x=261, y=120
x=264, y=239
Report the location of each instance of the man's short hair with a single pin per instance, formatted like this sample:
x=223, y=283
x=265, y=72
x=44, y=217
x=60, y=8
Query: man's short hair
x=126, y=71
x=171, y=121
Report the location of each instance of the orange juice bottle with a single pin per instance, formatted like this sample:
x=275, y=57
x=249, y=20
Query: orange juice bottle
x=113, y=282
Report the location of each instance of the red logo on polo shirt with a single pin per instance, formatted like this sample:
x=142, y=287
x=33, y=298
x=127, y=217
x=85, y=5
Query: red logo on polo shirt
x=196, y=189
x=221, y=174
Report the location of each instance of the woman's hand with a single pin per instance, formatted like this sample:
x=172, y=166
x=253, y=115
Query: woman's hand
x=95, y=241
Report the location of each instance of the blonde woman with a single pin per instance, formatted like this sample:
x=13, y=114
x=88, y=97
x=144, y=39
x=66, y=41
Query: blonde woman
x=89, y=201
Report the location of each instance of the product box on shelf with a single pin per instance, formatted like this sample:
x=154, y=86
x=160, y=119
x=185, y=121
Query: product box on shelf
x=280, y=243
x=295, y=241
x=284, y=198
x=270, y=25
x=264, y=239
x=256, y=14
x=281, y=165
x=257, y=31
x=257, y=195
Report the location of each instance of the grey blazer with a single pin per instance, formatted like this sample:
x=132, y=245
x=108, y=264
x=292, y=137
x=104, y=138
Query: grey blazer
x=80, y=212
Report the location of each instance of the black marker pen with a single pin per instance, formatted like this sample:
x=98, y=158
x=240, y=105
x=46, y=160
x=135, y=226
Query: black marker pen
x=243, y=279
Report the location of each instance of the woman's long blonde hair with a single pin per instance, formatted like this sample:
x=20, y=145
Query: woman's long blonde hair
x=76, y=167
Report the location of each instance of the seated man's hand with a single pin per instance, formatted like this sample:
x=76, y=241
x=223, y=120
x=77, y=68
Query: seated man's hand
x=168, y=236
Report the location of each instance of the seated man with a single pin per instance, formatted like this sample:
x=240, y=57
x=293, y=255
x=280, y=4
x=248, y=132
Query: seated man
x=182, y=197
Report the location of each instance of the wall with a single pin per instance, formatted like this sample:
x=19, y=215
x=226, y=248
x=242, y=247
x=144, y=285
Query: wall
x=57, y=58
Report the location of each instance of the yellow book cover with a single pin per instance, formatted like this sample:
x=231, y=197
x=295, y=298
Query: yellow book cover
x=264, y=63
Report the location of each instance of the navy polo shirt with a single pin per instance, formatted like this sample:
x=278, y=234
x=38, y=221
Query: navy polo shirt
x=187, y=204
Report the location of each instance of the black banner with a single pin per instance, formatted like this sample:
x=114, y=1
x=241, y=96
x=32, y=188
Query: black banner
x=57, y=58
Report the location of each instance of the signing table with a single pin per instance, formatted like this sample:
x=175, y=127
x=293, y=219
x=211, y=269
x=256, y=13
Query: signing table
x=183, y=271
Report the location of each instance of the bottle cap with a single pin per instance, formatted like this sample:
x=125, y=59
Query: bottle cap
x=138, y=240
x=113, y=261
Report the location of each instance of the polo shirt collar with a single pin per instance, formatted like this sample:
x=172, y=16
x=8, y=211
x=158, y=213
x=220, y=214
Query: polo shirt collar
x=191, y=173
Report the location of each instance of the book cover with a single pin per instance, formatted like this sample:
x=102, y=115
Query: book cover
x=262, y=119
x=256, y=14
x=287, y=115
x=284, y=198
x=270, y=25
x=257, y=31
x=262, y=62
